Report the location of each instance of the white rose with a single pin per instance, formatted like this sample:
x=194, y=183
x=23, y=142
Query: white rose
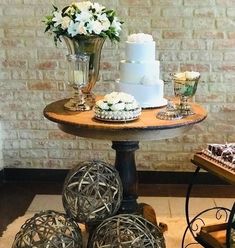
x=98, y=7
x=104, y=20
x=180, y=76
x=124, y=97
x=65, y=22
x=84, y=16
x=191, y=75
x=94, y=26
x=140, y=38
x=103, y=105
x=129, y=106
x=117, y=106
x=83, y=6
x=112, y=100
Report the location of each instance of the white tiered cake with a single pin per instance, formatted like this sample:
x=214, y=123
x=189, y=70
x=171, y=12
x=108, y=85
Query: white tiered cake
x=139, y=72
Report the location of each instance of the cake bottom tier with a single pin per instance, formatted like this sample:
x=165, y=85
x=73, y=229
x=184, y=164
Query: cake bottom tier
x=148, y=96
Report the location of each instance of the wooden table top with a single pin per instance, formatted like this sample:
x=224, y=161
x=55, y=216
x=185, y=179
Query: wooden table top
x=147, y=127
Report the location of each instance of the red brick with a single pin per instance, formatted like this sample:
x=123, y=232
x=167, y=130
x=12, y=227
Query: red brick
x=60, y=135
x=176, y=34
x=48, y=65
x=231, y=35
x=209, y=34
x=14, y=64
x=225, y=67
x=41, y=85
x=199, y=3
x=106, y=66
x=195, y=67
x=209, y=12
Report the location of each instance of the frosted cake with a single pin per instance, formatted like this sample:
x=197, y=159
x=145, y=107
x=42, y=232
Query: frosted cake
x=117, y=106
x=139, y=71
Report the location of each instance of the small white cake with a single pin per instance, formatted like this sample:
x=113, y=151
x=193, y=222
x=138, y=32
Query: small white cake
x=139, y=72
x=117, y=106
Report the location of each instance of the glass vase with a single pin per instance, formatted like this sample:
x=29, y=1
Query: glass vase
x=78, y=70
x=91, y=45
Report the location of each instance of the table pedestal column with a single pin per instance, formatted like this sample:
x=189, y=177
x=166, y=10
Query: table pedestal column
x=125, y=164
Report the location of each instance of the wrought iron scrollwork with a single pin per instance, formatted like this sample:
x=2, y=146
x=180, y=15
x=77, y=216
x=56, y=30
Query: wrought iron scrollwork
x=195, y=224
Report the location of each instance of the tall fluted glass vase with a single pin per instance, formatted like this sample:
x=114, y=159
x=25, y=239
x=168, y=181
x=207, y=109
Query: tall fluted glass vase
x=91, y=45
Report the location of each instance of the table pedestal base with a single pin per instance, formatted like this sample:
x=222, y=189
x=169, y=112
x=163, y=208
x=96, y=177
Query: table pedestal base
x=125, y=165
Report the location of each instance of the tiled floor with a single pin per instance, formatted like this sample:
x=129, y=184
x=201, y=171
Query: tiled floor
x=170, y=207
x=169, y=210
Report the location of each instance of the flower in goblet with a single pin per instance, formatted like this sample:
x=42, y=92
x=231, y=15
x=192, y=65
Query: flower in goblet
x=185, y=87
x=78, y=71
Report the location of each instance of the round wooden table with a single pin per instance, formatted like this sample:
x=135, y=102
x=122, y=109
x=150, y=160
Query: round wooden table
x=125, y=138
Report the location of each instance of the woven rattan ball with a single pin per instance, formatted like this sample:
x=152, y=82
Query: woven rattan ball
x=92, y=192
x=49, y=229
x=127, y=230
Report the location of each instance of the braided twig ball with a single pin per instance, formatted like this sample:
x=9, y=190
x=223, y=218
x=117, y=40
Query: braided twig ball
x=49, y=229
x=92, y=192
x=127, y=230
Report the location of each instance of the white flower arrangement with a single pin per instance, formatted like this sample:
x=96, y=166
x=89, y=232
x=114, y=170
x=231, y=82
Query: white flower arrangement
x=140, y=38
x=83, y=18
x=186, y=76
x=117, y=101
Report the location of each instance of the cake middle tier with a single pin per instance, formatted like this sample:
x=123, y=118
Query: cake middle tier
x=139, y=73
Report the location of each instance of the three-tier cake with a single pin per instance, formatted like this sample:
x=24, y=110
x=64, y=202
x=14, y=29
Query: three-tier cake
x=139, y=72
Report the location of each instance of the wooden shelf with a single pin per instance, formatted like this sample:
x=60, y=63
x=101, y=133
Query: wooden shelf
x=214, y=167
x=213, y=235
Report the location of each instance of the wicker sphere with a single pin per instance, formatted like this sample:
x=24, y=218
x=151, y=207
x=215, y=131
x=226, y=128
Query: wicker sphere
x=127, y=230
x=49, y=229
x=92, y=192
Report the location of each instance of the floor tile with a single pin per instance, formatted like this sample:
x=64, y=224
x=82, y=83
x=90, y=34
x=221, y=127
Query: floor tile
x=196, y=205
x=224, y=202
x=160, y=205
x=46, y=202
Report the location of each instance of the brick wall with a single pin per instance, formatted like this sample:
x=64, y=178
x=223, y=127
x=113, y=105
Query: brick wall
x=190, y=35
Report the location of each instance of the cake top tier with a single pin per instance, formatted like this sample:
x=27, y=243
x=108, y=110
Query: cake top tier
x=140, y=48
x=140, y=38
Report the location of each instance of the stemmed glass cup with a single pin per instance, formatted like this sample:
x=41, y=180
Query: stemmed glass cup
x=185, y=89
x=78, y=73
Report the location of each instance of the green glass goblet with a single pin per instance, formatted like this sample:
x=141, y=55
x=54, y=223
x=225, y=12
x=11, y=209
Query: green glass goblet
x=185, y=89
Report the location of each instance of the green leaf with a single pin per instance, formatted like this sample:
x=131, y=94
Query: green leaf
x=64, y=9
x=55, y=8
x=47, y=28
